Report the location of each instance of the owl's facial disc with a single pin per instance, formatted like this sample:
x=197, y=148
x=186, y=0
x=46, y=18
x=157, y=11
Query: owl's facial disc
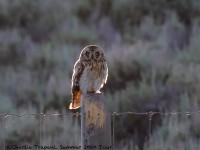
x=92, y=53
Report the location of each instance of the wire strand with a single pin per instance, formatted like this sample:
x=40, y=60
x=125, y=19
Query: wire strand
x=116, y=113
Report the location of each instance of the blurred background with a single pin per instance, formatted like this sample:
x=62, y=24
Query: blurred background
x=153, y=54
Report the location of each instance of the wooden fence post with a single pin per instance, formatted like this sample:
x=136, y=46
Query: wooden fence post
x=95, y=122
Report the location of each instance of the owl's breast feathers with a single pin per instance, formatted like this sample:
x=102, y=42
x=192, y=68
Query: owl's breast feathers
x=93, y=78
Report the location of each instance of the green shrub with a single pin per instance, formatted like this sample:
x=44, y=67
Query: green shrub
x=37, y=18
x=11, y=47
x=73, y=32
x=42, y=131
x=173, y=135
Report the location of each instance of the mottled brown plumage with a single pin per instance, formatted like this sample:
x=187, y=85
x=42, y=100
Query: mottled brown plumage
x=89, y=74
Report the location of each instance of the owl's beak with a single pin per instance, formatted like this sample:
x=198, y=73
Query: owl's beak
x=92, y=57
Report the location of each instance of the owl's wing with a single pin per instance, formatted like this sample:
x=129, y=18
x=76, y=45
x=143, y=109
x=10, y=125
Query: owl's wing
x=75, y=89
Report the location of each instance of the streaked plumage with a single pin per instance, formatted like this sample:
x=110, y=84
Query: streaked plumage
x=89, y=74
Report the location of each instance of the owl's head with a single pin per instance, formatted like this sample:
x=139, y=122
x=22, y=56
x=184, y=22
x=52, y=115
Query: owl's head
x=92, y=53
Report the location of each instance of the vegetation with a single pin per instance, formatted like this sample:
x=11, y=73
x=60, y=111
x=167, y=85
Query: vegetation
x=153, y=57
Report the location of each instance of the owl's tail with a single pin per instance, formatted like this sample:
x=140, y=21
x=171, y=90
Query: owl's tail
x=76, y=103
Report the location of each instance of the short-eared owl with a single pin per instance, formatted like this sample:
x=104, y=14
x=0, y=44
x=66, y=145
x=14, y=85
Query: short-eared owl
x=89, y=74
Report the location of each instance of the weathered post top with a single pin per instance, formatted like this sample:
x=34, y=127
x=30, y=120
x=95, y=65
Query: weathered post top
x=95, y=122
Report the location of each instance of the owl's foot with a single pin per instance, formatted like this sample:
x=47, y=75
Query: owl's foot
x=91, y=92
x=98, y=92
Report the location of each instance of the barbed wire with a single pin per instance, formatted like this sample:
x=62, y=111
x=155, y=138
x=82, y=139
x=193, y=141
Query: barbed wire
x=149, y=114
x=42, y=116
x=37, y=114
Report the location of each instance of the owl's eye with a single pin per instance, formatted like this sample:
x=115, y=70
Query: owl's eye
x=97, y=54
x=87, y=54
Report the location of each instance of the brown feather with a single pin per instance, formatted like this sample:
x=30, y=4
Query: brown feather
x=75, y=100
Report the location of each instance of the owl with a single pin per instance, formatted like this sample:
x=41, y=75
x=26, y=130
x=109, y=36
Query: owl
x=89, y=75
